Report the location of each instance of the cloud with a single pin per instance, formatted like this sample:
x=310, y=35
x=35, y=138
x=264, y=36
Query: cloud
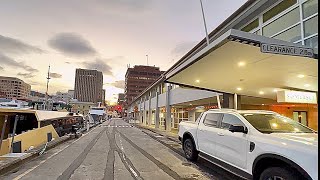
x=118, y=84
x=183, y=48
x=55, y=75
x=100, y=65
x=118, y=6
x=6, y=60
x=14, y=46
x=26, y=75
x=72, y=44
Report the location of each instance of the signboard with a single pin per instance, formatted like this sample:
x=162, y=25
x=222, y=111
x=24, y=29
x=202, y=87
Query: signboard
x=297, y=97
x=287, y=50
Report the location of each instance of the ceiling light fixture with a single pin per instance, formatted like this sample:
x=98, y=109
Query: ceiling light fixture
x=300, y=76
x=197, y=81
x=239, y=88
x=261, y=92
x=307, y=85
x=241, y=64
x=275, y=90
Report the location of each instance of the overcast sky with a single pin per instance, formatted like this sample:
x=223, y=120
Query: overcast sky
x=99, y=34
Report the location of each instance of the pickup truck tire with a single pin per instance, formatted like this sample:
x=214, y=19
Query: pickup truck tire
x=190, y=150
x=278, y=173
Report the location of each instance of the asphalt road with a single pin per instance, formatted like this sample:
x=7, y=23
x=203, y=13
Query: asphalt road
x=120, y=151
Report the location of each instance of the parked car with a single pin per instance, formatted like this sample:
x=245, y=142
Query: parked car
x=252, y=144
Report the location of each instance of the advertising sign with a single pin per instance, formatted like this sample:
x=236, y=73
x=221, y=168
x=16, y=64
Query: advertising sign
x=297, y=97
x=287, y=50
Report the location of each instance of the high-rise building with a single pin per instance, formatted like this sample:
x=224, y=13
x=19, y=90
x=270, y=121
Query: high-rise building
x=120, y=98
x=88, y=86
x=139, y=78
x=14, y=87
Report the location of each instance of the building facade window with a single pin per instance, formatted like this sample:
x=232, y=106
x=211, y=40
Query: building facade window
x=290, y=20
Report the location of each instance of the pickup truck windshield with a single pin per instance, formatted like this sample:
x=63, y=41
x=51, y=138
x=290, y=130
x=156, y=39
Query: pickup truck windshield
x=273, y=123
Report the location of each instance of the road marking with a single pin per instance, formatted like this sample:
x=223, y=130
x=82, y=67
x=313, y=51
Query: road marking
x=43, y=161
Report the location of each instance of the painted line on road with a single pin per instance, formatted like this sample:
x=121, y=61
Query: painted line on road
x=43, y=161
x=162, y=166
x=78, y=161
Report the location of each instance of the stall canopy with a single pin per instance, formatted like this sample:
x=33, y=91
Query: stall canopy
x=249, y=64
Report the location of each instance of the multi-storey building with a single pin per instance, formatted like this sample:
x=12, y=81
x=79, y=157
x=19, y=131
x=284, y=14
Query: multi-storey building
x=64, y=97
x=88, y=86
x=138, y=79
x=120, y=98
x=14, y=87
x=264, y=56
x=71, y=93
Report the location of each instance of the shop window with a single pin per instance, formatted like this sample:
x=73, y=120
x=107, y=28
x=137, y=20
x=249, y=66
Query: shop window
x=311, y=26
x=312, y=42
x=301, y=117
x=290, y=35
x=254, y=24
x=282, y=23
x=309, y=8
x=278, y=9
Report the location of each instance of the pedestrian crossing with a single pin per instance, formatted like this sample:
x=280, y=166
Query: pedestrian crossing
x=119, y=126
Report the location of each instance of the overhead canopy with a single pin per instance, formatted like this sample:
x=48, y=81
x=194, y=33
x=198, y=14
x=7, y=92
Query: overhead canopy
x=236, y=63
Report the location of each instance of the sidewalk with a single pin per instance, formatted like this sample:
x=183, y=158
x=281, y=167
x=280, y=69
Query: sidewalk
x=170, y=135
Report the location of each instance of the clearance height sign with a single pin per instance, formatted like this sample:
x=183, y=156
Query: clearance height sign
x=287, y=50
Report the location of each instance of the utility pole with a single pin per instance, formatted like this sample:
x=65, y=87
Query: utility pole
x=204, y=22
x=147, y=60
x=48, y=78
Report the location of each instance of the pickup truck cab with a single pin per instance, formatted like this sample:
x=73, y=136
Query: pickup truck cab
x=252, y=144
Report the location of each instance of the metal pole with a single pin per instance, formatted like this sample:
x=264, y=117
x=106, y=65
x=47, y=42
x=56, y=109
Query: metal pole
x=218, y=100
x=3, y=129
x=235, y=101
x=147, y=60
x=48, y=78
x=14, y=132
x=204, y=22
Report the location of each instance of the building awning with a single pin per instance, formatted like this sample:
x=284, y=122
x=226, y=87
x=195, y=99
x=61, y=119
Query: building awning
x=249, y=64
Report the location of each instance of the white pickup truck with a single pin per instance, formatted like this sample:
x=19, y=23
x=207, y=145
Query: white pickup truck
x=252, y=144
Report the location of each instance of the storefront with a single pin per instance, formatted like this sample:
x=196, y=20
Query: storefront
x=258, y=67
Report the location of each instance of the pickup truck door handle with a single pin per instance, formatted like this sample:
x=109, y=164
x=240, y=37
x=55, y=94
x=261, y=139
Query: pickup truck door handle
x=220, y=134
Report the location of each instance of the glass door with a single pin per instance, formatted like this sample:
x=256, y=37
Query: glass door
x=301, y=117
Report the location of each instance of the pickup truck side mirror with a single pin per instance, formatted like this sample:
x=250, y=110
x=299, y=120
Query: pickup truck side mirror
x=238, y=128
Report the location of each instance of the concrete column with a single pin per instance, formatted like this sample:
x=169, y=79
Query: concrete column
x=157, y=118
x=168, y=108
x=144, y=112
x=227, y=101
x=150, y=111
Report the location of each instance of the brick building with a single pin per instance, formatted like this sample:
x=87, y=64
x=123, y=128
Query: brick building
x=13, y=87
x=139, y=78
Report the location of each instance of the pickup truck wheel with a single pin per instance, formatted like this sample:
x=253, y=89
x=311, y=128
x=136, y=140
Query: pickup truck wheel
x=278, y=173
x=190, y=150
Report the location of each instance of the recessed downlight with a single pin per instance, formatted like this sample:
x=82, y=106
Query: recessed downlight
x=307, y=85
x=197, y=81
x=239, y=88
x=241, y=63
x=301, y=76
x=261, y=92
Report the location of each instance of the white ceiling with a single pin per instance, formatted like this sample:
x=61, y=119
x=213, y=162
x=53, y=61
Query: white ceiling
x=264, y=72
